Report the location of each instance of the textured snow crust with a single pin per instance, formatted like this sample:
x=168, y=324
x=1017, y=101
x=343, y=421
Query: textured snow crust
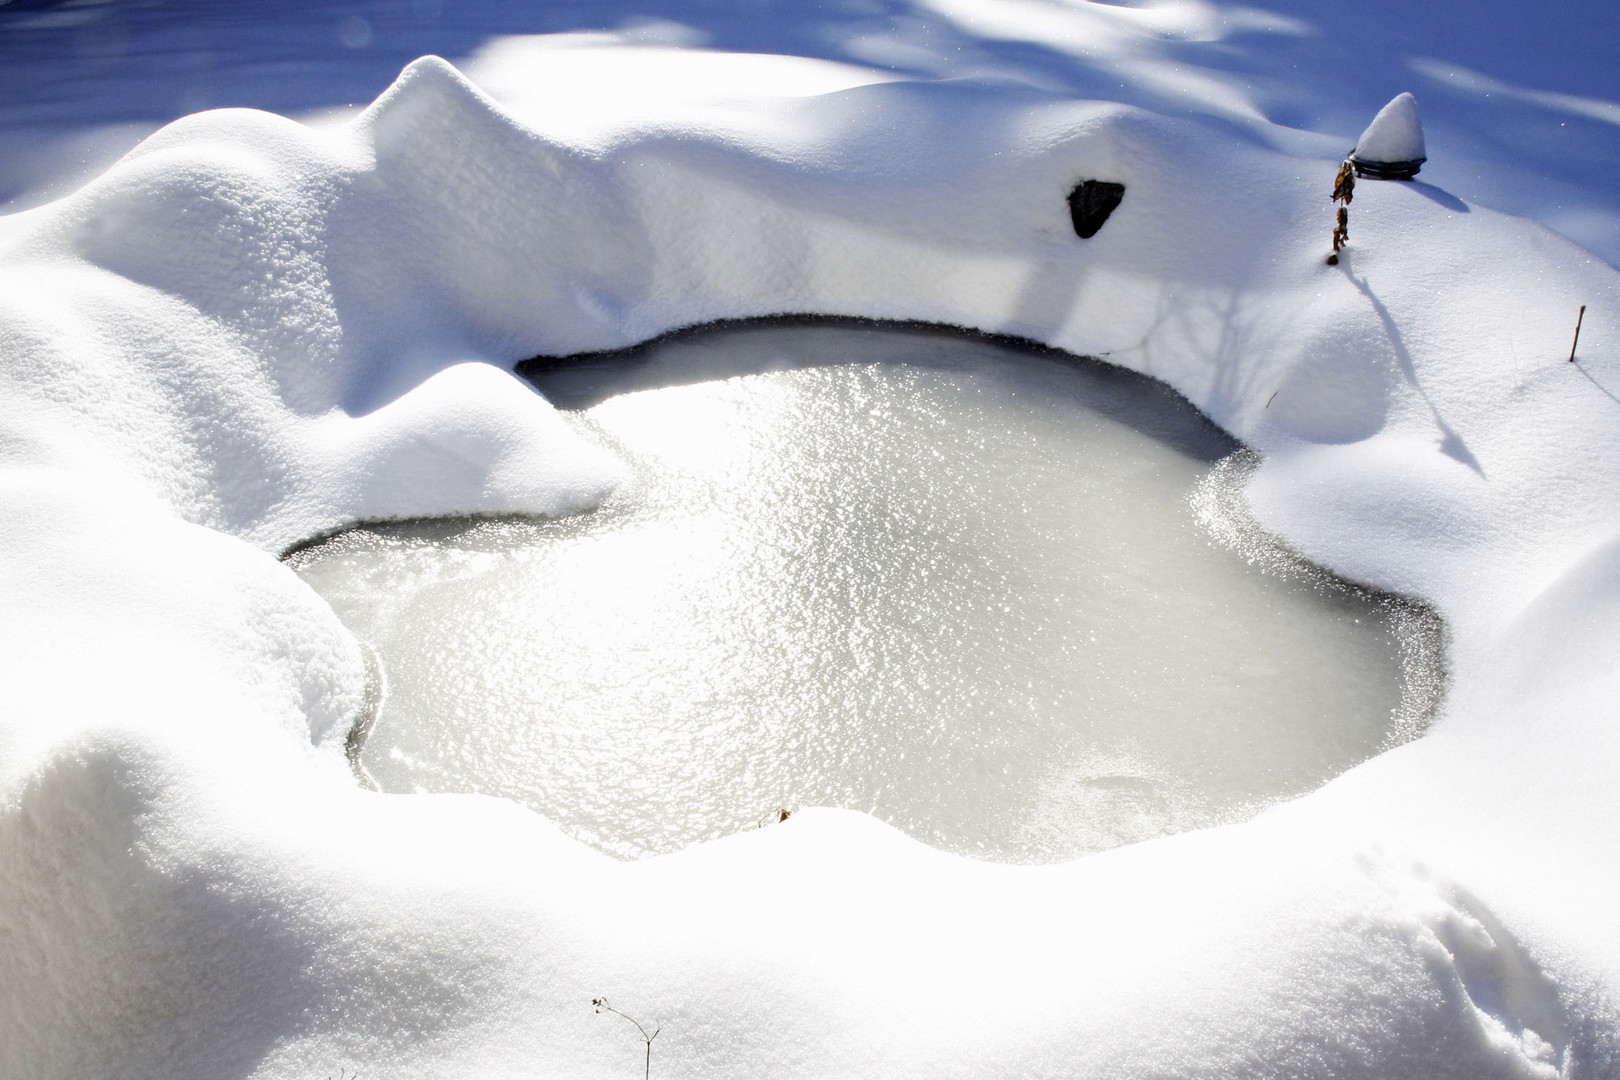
x=249, y=332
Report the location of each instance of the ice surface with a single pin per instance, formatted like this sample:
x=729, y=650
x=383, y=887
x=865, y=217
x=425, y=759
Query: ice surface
x=1395, y=134
x=249, y=332
x=955, y=586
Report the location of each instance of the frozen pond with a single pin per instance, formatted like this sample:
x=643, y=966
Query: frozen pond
x=959, y=586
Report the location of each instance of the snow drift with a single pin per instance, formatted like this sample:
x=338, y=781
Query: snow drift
x=249, y=332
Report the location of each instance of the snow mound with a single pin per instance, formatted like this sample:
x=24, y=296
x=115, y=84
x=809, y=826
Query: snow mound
x=1395, y=135
x=248, y=333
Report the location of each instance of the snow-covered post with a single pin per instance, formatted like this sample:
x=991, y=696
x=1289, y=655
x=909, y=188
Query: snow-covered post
x=1392, y=146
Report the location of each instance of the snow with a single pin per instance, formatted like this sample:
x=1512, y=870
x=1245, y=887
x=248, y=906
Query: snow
x=251, y=331
x=1395, y=134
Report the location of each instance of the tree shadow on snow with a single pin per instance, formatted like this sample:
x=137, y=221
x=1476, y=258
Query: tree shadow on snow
x=1451, y=443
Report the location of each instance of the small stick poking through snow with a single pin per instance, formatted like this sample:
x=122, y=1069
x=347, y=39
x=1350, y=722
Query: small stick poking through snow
x=1578, y=320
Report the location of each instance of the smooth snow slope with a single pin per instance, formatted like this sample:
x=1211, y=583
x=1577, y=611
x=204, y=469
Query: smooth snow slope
x=249, y=332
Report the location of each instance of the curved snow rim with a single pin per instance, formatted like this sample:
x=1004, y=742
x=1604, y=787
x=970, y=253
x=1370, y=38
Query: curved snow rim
x=247, y=332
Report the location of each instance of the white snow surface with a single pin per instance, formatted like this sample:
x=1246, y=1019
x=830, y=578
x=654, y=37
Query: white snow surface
x=1395, y=134
x=249, y=332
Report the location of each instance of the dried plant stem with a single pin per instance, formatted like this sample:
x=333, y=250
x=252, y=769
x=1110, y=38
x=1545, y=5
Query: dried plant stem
x=603, y=1006
x=1344, y=190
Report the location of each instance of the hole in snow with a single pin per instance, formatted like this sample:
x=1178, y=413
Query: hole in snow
x=969, y=589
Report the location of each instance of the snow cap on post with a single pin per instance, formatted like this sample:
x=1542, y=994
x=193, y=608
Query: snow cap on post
x=1392, y=146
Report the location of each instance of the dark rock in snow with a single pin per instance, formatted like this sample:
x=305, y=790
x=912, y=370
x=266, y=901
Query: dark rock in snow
x=1091, y=202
